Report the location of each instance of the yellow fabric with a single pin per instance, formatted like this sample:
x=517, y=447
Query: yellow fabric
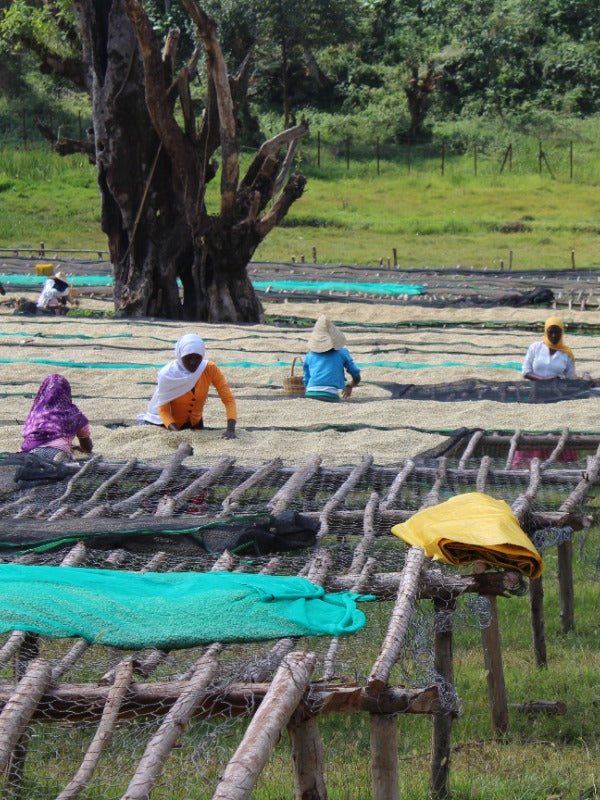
x=472, y=527
x=560, y=345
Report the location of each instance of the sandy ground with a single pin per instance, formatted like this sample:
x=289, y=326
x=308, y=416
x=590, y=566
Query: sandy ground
x=112, y=367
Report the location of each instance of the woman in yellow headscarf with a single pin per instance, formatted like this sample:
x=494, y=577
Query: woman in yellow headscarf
x=549, y=358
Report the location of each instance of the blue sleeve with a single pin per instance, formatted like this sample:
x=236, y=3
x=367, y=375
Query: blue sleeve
x=306, y=370
x=350, y=365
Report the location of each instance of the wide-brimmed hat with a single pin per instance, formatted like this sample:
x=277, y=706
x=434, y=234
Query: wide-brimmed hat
x=325, y=336
x=60, y=275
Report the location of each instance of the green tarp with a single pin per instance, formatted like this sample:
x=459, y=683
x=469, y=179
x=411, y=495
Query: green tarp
x=169, y=611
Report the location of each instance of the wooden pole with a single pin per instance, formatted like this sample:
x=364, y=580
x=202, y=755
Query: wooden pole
x=398, y=626
x=572, y=259
x=384, y=756
x=565, y=584
x=171, y=727
x=395, y=254
x=536, y=610
x=492, y=655
x=307, y=759
x=510, y=259
x=314, y=255
x=571, y=159
x=19, y=709
x=439, y=776
x=275, y=711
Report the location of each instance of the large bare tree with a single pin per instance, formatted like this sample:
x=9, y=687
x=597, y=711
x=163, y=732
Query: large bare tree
x=154, y=159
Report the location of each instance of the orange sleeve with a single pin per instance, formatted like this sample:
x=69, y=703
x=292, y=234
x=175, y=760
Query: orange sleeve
x=220, y=383
x=166, y=415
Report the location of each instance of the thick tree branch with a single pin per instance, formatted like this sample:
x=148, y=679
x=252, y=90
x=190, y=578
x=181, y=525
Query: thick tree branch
x=292, y=191
x=217, y=72
x=66, y=147
x=50, y=62
x=156, y=91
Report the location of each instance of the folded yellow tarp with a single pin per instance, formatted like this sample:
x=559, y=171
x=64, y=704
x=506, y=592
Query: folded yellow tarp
x=472, y=527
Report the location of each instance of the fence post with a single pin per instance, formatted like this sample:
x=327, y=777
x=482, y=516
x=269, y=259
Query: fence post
x=571, y=159
x=572, y=259
x=314, y=255
x=395, y=254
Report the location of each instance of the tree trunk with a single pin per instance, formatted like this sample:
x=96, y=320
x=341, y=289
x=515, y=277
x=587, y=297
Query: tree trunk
x=170, y=257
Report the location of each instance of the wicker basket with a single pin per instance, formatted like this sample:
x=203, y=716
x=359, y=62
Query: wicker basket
x=293, y=384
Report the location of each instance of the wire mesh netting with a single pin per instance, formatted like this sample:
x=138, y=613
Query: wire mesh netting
x=84, y=719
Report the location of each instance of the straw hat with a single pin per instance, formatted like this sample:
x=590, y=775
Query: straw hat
x=60, y=275
x=325, y=336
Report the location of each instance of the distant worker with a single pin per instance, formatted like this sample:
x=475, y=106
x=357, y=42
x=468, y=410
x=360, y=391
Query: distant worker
x=54, y=294
x=327, y=362
x=182, y=390
x=550, y=357
x=54, y=421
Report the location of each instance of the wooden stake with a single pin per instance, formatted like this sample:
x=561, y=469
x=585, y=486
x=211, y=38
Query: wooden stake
x=439, y=776
x=536, y=610
x=565, y=583
x=307, y=759
x=384, y=756
x=492, y=655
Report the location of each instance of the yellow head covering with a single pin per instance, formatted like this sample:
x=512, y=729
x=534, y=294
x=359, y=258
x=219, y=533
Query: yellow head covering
x=560, y=345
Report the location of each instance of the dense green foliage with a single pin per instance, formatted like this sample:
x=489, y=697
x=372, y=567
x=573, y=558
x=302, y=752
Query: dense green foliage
x=513, y=60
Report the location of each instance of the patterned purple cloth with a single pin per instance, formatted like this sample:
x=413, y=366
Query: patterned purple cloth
x=53, y=414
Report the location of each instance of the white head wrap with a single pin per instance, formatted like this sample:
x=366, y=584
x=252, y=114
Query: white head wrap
x=174, y=379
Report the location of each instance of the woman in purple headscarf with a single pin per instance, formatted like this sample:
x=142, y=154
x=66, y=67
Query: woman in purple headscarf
x=54, y=421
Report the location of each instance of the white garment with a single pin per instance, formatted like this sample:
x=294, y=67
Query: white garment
x=174, y=379
x=539, y=361
x=50, y=294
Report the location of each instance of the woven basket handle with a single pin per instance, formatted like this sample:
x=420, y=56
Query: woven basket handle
x=296, y=358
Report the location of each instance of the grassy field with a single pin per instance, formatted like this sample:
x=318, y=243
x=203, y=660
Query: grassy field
x=354, y=215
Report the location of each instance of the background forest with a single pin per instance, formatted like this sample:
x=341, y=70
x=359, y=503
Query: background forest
x=401, y=70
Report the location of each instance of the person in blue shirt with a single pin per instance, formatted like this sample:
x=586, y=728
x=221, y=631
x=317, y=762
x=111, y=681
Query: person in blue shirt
x=326, y=364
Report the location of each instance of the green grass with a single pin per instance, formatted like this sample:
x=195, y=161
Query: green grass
x=354, y=216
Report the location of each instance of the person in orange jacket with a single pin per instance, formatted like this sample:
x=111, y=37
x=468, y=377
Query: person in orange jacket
x=182, y=389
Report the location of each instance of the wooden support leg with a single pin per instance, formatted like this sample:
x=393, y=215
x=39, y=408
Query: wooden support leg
x=492, y=655
x=308, y=759
x=565, y=584
x=536, y=609
x=439, y=778
x=384, y=756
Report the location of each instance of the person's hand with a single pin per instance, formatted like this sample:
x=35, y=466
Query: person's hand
x=230, y=432
x=348, y=390
x=172, y=427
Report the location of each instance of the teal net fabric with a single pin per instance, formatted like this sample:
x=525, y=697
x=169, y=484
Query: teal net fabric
x=169, y=611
